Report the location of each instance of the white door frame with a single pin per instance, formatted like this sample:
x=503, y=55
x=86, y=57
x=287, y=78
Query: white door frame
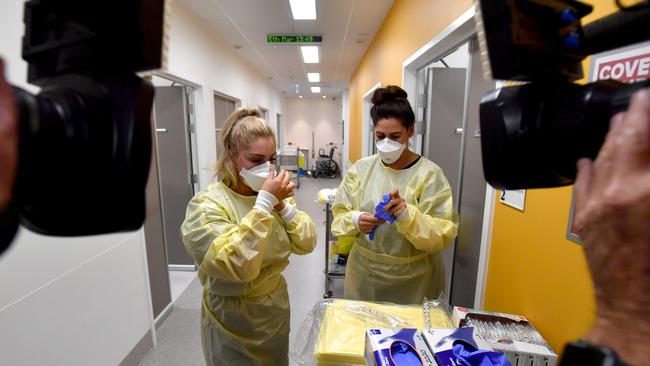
x=196, y=116
x=366, y=148
x=460, y=30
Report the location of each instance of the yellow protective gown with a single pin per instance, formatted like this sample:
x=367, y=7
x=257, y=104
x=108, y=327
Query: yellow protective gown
x=403, y=264
x=241, y=252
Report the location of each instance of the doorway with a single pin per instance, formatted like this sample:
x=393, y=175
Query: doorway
x=368, y=146
x=447, y=78
x=170, y=186
x=265, y=113
x=223, y=107
x=173, y=115
x=441, y=103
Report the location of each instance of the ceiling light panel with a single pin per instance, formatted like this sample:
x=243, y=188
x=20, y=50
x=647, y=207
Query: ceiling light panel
x=309, y=54
x=314, y=77
x=303, y=9
x=315, y=89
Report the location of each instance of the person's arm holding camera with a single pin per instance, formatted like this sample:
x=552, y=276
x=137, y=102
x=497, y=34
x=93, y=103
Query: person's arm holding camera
x=613, y=217
x=8, y=140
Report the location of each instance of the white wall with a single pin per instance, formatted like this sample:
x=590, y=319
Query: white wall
x=67, y=301
x=199, y=56
x=321, y=116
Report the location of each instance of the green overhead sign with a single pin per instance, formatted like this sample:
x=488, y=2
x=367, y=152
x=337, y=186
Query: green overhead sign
x=291, y=39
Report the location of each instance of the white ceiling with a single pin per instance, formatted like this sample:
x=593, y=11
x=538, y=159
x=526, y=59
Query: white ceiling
x=347, y=27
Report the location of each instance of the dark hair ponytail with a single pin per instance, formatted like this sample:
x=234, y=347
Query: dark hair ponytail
x=392, y=102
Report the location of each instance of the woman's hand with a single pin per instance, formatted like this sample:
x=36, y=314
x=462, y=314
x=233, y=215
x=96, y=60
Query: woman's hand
x=280, y=186
x=397, y=205
x=368, y=222
x=280, y=206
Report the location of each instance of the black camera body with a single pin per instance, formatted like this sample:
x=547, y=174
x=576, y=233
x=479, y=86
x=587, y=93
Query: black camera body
x=532, y=135
x=85, y=138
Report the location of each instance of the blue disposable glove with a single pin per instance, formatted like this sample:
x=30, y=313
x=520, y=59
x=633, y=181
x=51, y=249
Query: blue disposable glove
x=382, y=215
x=468, y=355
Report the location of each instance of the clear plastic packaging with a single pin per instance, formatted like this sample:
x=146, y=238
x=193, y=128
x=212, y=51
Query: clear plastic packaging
x=334, y=331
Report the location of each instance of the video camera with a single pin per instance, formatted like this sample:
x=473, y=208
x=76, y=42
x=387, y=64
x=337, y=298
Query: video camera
x=85, y=138
x=533, y=134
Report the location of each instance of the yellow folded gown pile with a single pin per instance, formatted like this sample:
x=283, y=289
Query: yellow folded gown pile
x=341, y=339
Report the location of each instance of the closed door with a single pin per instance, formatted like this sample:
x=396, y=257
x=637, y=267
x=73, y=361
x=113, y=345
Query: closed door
x=155, y=240
x=175, y=169
x=223, y=107
x=472, y=191
x=444, y=134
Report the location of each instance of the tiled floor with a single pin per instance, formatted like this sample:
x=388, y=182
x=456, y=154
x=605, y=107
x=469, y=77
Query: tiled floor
x=179, y=338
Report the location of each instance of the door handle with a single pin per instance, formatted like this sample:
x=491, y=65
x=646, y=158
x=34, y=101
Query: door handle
x=459, y=131
x=161, y=130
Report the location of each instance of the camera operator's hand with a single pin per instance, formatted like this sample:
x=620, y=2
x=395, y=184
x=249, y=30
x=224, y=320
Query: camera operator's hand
x=8, y=139
x=613, y=217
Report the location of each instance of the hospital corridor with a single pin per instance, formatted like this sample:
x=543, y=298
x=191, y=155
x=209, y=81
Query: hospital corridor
x=324, y=182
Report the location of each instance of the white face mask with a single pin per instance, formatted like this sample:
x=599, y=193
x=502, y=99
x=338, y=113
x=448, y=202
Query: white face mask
x=256, y=176
x=390, y=150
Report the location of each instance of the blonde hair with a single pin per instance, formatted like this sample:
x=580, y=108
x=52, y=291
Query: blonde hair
x=240, y=129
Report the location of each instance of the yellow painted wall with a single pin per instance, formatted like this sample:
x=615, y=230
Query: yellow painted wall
x=408, y=26
x=533, y=269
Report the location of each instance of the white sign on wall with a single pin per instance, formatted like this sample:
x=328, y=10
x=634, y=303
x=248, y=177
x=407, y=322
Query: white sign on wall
x=627, y=64
x=514, y=198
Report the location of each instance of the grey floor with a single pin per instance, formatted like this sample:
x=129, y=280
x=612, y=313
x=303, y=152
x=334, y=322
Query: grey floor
x=179, y=281
x=178, y=337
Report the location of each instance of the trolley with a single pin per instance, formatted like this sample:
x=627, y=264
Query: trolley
x=333, y=269
x=289, y=162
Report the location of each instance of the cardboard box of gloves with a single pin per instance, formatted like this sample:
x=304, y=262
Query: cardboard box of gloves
x=511, y=334
x=431, y=347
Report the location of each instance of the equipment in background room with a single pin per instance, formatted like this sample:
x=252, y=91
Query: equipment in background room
x=88, y=131
x=533, y=134
x=325, y=165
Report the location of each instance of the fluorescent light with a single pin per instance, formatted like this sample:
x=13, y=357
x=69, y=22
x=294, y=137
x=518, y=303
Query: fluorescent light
x=309, y=54
x=315, y=89
x=303, y=9
x=314, y=77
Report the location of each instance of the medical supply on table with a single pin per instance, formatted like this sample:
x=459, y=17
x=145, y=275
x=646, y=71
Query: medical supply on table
x=334, y=331
x=382, y=215
x=461, y=347
x=301, y=163
x=326, y=195
x=345, y=244
x=397, y=347
x=511, y=334
x=335, y=256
